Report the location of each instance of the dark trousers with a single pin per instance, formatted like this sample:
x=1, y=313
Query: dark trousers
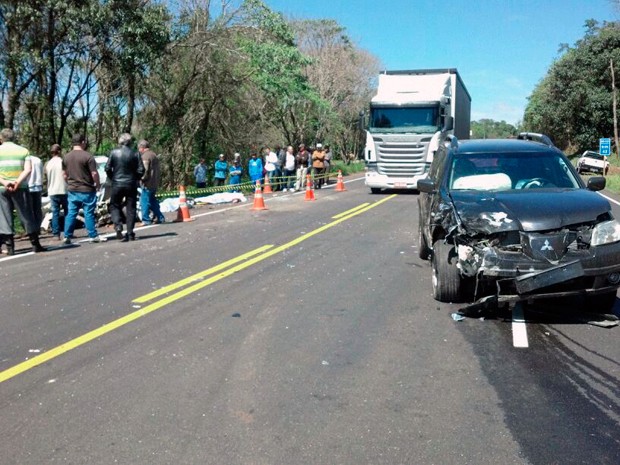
x=21, y=201
x=37, y=210
x=127, y=196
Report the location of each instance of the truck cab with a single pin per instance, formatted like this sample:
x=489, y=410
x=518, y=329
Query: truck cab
x=412, y=112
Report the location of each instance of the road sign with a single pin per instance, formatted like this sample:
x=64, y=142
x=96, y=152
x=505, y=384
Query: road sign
x=604, y=146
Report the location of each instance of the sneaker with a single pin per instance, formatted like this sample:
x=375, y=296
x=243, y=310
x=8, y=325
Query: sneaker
x=284, y=190
x=67, y=241
x=119, y=236
x=95, y=240
x=125, y=238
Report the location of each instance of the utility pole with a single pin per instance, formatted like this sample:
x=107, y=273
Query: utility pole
x=613, y=93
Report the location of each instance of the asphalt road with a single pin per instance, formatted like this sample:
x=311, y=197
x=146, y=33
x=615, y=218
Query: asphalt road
x=304, y=334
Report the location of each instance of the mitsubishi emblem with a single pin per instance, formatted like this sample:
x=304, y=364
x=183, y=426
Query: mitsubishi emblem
x=546, y=246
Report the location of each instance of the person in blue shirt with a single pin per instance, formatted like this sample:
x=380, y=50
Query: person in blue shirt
x=255, y=169
x=235, y=172
x=220, y=171
x=200, y=173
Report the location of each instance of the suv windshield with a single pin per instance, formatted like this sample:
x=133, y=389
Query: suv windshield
x=421, y=120
x=506, y=171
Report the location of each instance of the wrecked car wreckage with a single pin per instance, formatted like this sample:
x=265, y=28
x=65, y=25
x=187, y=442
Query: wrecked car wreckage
x=519, y=224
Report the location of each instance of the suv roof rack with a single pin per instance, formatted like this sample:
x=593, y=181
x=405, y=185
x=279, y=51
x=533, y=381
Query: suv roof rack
x=536, y=137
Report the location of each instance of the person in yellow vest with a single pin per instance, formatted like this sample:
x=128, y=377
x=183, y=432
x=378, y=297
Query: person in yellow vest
x=15, y=168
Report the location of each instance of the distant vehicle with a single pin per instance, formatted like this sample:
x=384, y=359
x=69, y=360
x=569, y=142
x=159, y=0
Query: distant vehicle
x=511, y=220
x=101, y=161
x=410, y=116
x=593, y=162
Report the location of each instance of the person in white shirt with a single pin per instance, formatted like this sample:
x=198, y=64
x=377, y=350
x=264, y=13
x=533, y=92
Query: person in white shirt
x=56, y=189
x=35, y=186
x=289, y=170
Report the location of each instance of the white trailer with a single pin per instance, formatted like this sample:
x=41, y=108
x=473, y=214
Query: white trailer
x=411, y=114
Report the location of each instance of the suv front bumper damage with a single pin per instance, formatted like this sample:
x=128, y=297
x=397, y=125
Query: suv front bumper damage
x=516, y=277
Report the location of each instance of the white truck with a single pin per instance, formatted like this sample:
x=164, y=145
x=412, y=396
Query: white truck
x=411, y=114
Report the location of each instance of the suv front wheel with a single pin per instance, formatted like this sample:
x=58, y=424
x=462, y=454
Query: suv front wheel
x=448, y=285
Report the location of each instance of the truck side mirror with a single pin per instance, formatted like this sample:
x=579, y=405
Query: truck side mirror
x=361, y=122
x=448, y=123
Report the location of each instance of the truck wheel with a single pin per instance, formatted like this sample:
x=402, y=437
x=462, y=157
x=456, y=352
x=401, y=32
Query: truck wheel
x=424, y=251
x=601, y=303
x=447, y=281
x=375, y=190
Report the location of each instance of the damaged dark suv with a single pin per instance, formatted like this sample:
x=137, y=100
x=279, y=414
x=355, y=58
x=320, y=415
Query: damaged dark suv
x=510, y=220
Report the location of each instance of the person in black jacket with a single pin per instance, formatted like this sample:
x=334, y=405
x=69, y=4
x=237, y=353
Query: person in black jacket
x=124, y=169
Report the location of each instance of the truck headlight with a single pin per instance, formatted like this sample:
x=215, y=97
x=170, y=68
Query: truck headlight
x=605, y=233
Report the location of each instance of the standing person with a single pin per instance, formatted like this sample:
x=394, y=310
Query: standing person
x=318, y=166
x=200, y=174
x=82, y=186
x=15, y=166
x=281, y=167
x=35, y=187
x=235, y=171
x=150, y=183
x=56, y=188
x=301, y=164
x=271, y=160
x=255, y=169
x=289, y=169
x=327, y=162
x=125, y=169
x=220, y=170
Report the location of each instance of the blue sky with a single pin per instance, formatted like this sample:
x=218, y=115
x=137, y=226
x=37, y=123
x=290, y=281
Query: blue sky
x=501, y=48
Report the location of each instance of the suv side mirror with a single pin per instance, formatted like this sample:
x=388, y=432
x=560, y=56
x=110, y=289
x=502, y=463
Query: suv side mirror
x=597, y=183
x=426, y=185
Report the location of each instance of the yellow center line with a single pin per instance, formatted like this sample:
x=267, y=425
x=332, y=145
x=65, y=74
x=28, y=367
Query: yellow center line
x=197, y=276
x=102, y=330
x=350, y=211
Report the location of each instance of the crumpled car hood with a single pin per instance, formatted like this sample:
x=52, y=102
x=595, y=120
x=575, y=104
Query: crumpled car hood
x=529, y=210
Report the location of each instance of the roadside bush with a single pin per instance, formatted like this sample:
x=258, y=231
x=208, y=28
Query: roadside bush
x=353, y=167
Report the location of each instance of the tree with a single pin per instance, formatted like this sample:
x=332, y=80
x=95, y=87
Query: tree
x=344, y=77
x=490, y=129
x=574, y=101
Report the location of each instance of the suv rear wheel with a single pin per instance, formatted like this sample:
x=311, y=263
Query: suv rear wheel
x=448, y=285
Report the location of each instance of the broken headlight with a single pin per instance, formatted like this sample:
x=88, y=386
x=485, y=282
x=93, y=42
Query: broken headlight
x=605, y=233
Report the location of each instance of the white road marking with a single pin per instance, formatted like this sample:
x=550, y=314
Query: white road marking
x=610, y=199
x=519, y=331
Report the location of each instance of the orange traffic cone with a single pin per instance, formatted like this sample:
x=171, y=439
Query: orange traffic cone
x=309, y=189
x=183, y=211
x=259, y=202
x=340, y=183
x=267, y=189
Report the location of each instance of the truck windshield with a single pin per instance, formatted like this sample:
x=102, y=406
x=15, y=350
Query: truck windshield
x=421, y=120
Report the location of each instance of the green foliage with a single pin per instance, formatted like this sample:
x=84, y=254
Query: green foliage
x=573, y=103
x=197, y=82
x=490, y=129
x=347, y=168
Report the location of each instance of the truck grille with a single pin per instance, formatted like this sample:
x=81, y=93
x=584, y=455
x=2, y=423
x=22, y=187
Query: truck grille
x=397, y=156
